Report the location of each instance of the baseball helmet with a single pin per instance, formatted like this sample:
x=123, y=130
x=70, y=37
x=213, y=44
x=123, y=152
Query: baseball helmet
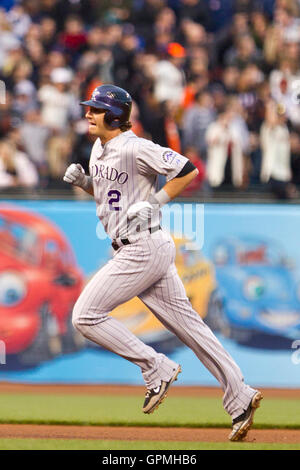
x=115, y=101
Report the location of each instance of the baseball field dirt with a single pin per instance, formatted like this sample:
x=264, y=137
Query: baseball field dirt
x=42, y=431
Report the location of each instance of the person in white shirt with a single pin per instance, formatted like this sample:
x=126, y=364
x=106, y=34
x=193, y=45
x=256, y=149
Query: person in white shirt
x=223, y=142
x=57, y=103
x=16, y=169
x=58, y=106
x=276, y=152
x=169, y=77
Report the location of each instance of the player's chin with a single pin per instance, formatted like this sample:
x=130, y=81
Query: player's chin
x=92, y=129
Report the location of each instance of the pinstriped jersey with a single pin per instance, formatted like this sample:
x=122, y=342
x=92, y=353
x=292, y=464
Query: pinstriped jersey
x=124, y=171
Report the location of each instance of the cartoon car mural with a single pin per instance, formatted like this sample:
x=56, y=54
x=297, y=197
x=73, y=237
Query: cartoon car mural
x=197, y=274
x=39, y=284
x=260, y=293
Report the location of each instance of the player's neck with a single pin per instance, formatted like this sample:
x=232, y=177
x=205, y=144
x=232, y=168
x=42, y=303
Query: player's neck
x=107, y=136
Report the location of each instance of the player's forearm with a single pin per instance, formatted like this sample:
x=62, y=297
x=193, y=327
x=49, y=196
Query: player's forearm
x=88, y=188
x=174, y=187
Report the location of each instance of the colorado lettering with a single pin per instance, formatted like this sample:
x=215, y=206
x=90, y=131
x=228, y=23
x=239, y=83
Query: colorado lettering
x=108, y=173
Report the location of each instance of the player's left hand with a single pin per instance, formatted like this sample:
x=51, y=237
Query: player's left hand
x=143, y=210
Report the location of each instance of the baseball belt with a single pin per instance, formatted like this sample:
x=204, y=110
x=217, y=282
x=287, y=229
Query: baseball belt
x=125, y=241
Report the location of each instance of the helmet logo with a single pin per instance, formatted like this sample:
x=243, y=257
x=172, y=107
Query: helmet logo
x=110, y=94
x=95, y=94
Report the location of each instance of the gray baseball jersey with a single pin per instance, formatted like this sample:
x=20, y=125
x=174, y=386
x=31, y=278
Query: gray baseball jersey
x=124, y=172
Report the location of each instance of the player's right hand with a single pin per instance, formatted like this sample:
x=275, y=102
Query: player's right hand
x=75, y=175
x=142, y=209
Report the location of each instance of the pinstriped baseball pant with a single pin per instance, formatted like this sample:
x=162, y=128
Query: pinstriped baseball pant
x=147, y=269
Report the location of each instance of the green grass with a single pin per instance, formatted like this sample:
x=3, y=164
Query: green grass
x=126, y=411
x=78, y=444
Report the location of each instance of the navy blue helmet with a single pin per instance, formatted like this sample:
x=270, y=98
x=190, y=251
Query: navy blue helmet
x=115, y=101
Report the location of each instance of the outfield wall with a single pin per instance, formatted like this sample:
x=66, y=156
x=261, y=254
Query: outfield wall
x=240, y=264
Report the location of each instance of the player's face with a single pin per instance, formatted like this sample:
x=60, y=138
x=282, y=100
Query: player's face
x=96, y=122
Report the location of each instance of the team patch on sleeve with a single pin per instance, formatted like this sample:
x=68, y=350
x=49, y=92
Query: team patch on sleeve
x=170, y=157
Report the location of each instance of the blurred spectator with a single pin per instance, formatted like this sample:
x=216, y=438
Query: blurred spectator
x=238, y=123
x=276, y=153
x=284, y=86
x=225, y=161
x=59, y=107
x=15, y=167
x=73, y=38
x=226, y=37
x=250, y=78
x=254, y=161
x=284, y=29
x=160, y=122
x=19, y=20
x=164, y=27
x=144, y=14
x=48, y=33
x=195, y=122
x=254, y=105
x=170, y=126
x=34, y=137
x=37, y=56
x=192, y=88
x=295, y=157
x=231, y=79
x=219, y=96
x=6, y=117
x=196, y=11
x=57, y=103
x=16, y=67
x=87, y=10
x=169, y=76
x=24, y=98
x=243, y=52
x=59, y=150
x=137, y=126
x=284, y=17
x=8, y=40
x=123, y=54
x=259, y=27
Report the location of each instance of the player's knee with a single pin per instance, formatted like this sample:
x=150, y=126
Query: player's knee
x=76, y=318
x=83, y=316
x=76, y=323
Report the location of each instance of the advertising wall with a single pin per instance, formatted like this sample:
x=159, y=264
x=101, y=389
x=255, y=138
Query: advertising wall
x=240, y=264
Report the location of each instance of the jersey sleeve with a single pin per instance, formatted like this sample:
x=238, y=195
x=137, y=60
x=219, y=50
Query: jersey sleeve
x=154, y=159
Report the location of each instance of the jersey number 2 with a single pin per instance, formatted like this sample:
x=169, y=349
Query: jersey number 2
x=115, y=197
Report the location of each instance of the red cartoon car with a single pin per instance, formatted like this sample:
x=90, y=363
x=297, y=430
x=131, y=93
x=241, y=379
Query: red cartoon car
x=39, y=284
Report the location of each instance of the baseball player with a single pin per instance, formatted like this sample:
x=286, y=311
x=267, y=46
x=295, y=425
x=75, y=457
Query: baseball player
x=123, y=171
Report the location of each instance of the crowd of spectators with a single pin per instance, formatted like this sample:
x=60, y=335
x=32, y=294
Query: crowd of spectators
x=218, y=81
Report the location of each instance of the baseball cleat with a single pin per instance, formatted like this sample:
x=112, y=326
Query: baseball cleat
x=155, y=396
x=242, y=424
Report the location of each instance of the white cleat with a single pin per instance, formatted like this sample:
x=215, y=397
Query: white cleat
x=242, y=424
x=155, y=396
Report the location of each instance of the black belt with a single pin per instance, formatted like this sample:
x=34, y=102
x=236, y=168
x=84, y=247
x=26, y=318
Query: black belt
x=125, y=241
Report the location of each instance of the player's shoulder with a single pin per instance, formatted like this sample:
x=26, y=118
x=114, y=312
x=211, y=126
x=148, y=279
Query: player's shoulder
x=133, y=143
x=145, y=144
x=128, y=137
